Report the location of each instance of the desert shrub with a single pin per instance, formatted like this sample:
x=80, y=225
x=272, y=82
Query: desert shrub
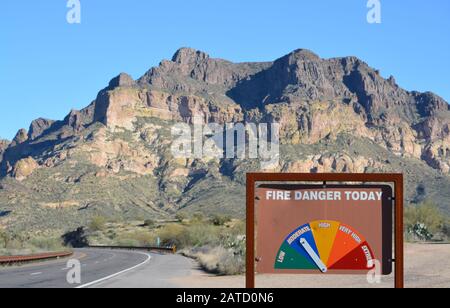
x=218, y=249
x=194, y=235
x=171, y=234
x=420, y=231
x=14, y=241
x=97, y=223
x=231, y=263
x=198, y=217
x=424, y=222
x=136, y=239
x=15, y=244
x=217, y=244
x=202, y=234
x=111, y=234
x=220, y=260
x=220, y=220
x=209, y=259
x=47, y=243
x=4, y=239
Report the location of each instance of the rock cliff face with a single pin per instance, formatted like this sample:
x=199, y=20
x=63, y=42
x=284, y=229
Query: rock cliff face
x=4, y=144
x=312, y=97
x=124, y=134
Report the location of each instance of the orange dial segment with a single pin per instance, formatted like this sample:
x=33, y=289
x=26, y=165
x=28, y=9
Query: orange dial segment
x=346, y=241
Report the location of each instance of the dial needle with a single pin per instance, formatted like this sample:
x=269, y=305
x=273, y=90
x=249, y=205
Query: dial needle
x=313, y=255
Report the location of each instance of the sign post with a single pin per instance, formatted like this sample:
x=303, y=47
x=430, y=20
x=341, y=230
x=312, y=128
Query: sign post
x=325, y=228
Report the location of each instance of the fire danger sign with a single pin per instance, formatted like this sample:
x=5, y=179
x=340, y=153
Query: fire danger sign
x=323, y=229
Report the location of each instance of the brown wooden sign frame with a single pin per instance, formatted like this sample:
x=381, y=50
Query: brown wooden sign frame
x=396, y=179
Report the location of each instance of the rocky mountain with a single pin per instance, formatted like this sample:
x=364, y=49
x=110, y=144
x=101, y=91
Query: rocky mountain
x=113, y=158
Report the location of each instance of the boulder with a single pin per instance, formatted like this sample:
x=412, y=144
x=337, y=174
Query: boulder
x=24, y=168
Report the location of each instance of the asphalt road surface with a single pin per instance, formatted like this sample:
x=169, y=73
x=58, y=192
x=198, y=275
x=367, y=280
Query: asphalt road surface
x=99, y=268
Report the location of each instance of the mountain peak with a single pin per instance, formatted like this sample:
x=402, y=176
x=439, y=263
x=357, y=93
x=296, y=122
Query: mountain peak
x=303, y=54
x=189, y=55
x=38, y=127
x=21, y=136
x=122, y=80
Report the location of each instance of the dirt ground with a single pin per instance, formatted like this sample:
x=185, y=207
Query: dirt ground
x=426, y=266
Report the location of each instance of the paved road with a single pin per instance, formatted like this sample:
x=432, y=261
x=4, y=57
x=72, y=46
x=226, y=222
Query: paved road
x=96, y=264
x=160, y=272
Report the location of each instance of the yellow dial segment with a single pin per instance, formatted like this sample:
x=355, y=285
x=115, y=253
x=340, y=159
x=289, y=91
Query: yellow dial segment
x=324, y=232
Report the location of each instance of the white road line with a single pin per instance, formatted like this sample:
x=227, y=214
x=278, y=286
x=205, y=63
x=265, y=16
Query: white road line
x=149, y=257
x=35, y=274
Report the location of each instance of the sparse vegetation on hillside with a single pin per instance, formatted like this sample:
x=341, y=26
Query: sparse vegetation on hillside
x=97, y=223
x=22, y=244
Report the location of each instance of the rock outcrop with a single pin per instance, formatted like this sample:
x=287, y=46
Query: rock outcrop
x=3, y=146
x=24, y=168
x=39, y=127
x=21, y=137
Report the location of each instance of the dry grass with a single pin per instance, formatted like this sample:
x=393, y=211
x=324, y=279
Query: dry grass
x=219, y=260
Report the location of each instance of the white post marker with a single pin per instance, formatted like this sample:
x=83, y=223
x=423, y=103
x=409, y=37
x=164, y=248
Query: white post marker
x=322, y=267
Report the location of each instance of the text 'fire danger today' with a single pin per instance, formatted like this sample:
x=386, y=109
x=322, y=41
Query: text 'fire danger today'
x=323, y=195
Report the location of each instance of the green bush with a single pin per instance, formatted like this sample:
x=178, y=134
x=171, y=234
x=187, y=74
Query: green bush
x=4, y=239
x=15, y=244
x=172, y=234
x=425, y=222
x=98, y=223
x=220, y=220
x=198, y=217
x=201, y=234
x=194, y=235
x=136, y=239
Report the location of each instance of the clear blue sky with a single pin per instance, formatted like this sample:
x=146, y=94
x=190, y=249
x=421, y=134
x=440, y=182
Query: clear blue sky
x=48, y=66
